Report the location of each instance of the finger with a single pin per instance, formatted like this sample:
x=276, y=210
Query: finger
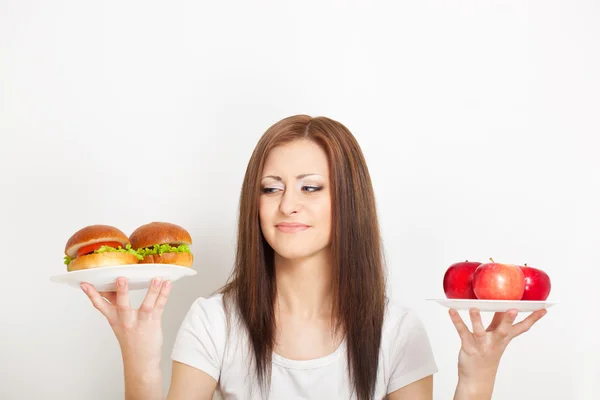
x=527, y=323
x=461, y=328
x=478, y=328
x=505, y=327
x=161, y=301
x=99, y=303
x=122, y=302
x=147, y=306
x=498, y=316
x=110, y=296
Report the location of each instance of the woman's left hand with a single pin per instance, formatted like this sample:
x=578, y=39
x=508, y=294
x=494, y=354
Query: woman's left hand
x=482, y=349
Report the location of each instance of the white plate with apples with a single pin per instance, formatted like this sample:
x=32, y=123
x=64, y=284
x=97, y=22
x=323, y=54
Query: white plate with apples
x=495, y=305
x=495, y=287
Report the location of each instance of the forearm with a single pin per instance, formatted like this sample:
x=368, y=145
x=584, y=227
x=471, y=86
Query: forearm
x=143, y=381
x=474, y=390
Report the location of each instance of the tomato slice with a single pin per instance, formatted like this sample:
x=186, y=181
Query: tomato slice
x=95, y=246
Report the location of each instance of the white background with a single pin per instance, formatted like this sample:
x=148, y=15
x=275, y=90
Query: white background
x=479, y=121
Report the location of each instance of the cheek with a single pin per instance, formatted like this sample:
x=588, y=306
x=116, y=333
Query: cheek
x=261, y=208
x=323, y=212
x=321, y=216
x=267, y=210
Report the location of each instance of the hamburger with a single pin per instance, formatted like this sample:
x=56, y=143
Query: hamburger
x=97, y=246
x=162, y=243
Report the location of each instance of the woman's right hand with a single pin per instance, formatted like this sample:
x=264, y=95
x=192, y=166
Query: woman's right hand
x=139, y=332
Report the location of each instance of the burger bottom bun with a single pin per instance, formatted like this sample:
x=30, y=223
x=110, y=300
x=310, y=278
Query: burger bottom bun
x=182, y=259
x=99, y=260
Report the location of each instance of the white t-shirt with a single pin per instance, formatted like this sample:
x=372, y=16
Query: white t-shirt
x=202, y=342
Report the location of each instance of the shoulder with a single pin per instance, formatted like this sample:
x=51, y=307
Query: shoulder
x=213, y=306
x=398, y=318
x=407, y=351
x=404, y=335
x=207, y=314
x=200, y=341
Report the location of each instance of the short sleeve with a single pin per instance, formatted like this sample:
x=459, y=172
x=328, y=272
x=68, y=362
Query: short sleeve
x=411, y=355
x=200, y=340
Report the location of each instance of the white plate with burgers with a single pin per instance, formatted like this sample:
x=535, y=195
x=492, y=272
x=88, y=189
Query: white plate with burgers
x=99, y=254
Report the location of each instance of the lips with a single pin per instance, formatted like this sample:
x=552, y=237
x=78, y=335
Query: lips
x=291, y=227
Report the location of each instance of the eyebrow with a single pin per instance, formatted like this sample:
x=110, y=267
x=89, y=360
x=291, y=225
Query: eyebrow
x=278, y=178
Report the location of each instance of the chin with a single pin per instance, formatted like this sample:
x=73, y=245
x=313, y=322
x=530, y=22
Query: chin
x=292, y=256
x=295, y=254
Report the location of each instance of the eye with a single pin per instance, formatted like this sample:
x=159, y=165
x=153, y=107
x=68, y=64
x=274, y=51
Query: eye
x=268, y=190
x=312, y=189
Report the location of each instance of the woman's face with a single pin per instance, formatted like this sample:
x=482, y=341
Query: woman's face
x=295, y=191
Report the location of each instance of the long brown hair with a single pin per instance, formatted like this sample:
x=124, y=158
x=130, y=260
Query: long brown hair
x=358, y=262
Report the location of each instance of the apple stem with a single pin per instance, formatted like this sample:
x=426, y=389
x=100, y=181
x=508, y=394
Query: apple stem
x=491, y=259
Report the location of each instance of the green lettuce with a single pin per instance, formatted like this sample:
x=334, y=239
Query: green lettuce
x=163, y=248
x=105, y=249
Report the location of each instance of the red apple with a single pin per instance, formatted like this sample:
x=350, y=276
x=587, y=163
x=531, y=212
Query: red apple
x=496, y=281
x=537, y=284
x=457, y=280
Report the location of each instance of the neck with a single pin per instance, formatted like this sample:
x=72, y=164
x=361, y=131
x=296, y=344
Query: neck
x=304, y=286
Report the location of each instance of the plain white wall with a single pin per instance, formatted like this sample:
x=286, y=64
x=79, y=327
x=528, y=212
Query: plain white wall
x=479, y=121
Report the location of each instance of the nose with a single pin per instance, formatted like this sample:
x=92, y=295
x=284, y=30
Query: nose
x=290, y=203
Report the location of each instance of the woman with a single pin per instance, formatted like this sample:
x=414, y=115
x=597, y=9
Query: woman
x=305, y=314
